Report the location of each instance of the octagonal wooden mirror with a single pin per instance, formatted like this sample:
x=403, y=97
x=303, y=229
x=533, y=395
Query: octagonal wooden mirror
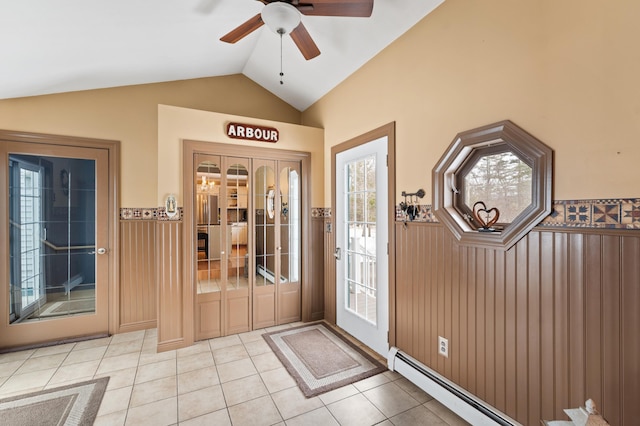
x=493, y=185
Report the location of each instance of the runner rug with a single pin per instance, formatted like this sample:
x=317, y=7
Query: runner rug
x=75, y=404
x=320, y=359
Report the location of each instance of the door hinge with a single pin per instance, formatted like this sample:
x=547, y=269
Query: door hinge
x=387, y=337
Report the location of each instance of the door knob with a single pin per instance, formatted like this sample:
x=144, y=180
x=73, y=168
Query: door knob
x=101, y=250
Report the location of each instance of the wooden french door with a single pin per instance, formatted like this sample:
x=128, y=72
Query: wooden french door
x=277, y=211
x=289, y=248
x=248, y=226
x=236, y=291
x=222, y=284
x=55, y=246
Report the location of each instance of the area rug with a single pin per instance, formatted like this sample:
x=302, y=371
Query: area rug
x=70, y=307
x=75, y=404
x=320, y=359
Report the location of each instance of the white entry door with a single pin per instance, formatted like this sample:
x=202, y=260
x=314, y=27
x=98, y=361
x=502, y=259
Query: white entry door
x=362, y=236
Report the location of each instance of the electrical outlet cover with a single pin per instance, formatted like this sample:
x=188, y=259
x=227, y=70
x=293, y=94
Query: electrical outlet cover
x=443, y=346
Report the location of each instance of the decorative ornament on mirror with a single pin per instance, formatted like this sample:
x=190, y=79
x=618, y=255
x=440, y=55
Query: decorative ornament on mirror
x=491, y=216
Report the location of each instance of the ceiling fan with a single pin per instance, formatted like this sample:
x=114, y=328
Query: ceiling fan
x=284, y=17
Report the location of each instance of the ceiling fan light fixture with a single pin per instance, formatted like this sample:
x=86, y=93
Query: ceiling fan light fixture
x=280, y=17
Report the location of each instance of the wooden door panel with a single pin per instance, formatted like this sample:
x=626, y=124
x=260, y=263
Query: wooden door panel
x=208, y=316
x=237, y=312
x=289, y=305
x=264, y=313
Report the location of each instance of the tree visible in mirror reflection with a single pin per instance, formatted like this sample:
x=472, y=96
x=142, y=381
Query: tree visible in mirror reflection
x=500, y=180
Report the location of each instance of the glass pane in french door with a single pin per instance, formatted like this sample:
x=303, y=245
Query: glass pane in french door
x=209, y=248
x=52, y=212
x=237, y=203
x=361, y=238
x=290, y=265
x=265, y=219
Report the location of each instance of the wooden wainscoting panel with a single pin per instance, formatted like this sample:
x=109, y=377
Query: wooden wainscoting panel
x=561, y=333
x=546, y=333
x=500, y=325
x=593, y=315
x=330, y=273
x=532, y=330
x=317, y=269
x=630, y=318
x=171, y=333
x=576, y=313
x=403, y=289
x=137, y=293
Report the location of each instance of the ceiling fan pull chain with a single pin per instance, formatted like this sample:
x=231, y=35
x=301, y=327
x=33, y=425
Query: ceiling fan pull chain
x=281, y=32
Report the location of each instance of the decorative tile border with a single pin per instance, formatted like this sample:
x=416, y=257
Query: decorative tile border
x=425, y=214
x=128, y=213
x=621, y=213
x=159, y=213
x=320, y=212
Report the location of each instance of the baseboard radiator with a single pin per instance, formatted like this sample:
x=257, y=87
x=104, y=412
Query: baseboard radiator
x=461, y=402
x=269, y=275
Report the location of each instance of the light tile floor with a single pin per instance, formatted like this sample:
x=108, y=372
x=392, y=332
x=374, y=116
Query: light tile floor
x=234, y=380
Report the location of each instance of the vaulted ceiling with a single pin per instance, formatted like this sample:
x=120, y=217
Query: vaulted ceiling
x=69, y=45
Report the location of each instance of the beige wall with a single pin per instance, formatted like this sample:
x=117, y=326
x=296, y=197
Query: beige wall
x=564, y=70
x=177, y=124
x=129, y=114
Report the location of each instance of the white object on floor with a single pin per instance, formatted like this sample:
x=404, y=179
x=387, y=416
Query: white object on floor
x=581, y=416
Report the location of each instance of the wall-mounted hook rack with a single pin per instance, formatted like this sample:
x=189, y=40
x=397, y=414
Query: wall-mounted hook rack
x=410, y=208
x=419, y=194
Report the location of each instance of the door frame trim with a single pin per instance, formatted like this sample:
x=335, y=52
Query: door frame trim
x=191, y=147
x=113, y=151
x=389, y=131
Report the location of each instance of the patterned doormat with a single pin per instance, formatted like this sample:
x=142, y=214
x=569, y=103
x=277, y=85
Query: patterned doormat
x=320, y=359
x=75, y=404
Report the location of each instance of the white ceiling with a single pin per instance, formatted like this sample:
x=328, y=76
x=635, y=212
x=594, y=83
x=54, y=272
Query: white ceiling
x=54, y=46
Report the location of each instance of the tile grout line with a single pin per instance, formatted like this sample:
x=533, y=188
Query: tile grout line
x=246, y=342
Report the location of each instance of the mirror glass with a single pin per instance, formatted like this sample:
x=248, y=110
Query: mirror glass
x=289, y=225
x=264, y=200
x=501, y=180
x=237, y=203
x=209, y=238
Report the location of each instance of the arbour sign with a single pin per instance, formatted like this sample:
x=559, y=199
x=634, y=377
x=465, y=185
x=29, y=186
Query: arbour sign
x=253, y=133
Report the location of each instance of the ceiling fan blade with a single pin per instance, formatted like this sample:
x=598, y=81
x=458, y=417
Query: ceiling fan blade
x=352, y=8
x=243, y=30
x=305, y=43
